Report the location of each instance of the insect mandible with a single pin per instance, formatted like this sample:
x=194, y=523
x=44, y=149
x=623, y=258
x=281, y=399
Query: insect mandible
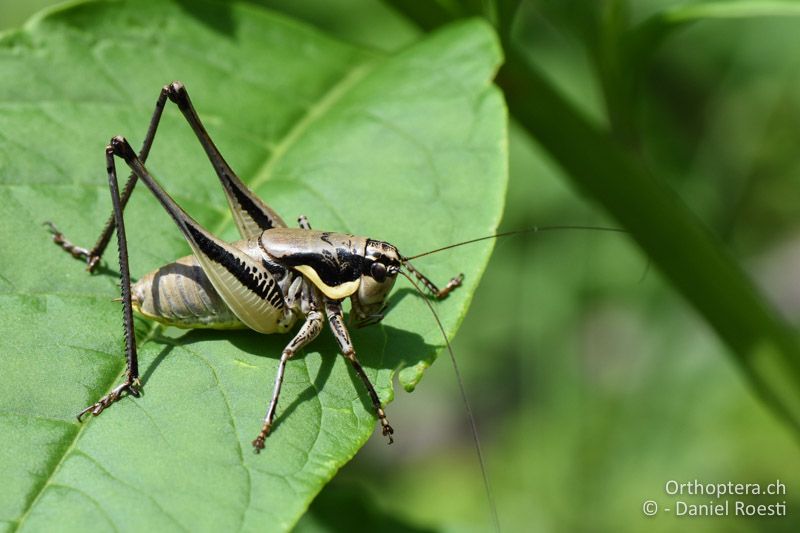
x=272, y=278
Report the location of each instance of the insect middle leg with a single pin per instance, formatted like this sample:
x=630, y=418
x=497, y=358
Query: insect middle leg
x=336, y=321
x=308, y=332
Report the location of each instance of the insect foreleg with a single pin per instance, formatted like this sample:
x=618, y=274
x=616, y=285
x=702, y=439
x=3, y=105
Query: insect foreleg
x=302, y=221
x=308, y=332
x=336, y=321
x=435, y=291
x=131, y=383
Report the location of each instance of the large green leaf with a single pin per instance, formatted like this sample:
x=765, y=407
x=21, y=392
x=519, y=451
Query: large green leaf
x=637, y=44
x=409, y=148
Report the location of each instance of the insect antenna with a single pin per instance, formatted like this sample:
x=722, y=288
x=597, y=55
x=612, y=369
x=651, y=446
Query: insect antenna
x=534, y=229
x=473, y=425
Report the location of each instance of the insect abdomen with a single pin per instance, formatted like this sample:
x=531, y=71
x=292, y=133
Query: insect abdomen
x=180, y=294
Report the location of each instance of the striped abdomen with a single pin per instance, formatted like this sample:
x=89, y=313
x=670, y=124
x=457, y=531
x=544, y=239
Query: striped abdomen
x=180, y=294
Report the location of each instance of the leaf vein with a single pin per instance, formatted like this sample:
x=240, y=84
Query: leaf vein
x=239, y=450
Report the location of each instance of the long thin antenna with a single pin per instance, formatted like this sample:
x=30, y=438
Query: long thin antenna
x=473, y=425
x=534, y=229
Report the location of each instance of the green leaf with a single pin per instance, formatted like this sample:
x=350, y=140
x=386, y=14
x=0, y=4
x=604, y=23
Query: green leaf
x=642, y=40
x=409, y=148
x=726, y=10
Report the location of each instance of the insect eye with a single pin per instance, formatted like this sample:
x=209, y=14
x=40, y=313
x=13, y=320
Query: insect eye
x=378, y=271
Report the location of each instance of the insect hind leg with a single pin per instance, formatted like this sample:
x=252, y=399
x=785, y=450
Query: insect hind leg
x=92, y=256
x=252, y=216
x=132, y=384
x=78, y=252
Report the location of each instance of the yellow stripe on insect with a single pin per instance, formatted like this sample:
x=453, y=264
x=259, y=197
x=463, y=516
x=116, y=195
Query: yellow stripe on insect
x=335, y=293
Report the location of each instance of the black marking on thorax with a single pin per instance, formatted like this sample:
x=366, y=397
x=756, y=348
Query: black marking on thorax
x=333, y=268
x=257, y=282
x=278, y=271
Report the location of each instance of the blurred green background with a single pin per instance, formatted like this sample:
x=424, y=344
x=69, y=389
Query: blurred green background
x=592, y=381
